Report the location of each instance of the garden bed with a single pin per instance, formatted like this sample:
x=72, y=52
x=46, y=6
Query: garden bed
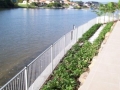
x=97, y=45
x=76, y=61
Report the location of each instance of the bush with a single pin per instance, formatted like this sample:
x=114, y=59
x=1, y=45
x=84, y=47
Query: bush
x=90, y=32
x=75, y=63
x=101, y=37
x=50, y=5
x=6, y=4
x=33, y=4
x=55, y=4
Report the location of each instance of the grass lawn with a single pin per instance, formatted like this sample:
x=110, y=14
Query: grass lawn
x=27, y=5
x=22, y=5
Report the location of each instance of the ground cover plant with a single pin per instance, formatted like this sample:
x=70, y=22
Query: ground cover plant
x=90, y=32
x=101, y=36
x=75, y=63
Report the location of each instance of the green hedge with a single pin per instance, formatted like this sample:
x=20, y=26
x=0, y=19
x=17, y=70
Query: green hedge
x=90, y=32
x=101, y=37
x=74, y=63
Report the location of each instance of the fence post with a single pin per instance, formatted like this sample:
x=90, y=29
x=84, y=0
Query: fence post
x=82, y=30
x=76, y=34
x=26, y=84
x=51, y=58
x=73, y=26
x=97, y=20
x=64, y=45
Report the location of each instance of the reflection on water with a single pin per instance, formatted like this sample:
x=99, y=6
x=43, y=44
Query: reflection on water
x=25, y=33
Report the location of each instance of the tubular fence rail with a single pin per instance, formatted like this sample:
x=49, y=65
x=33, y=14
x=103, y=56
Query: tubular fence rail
x=46, y=62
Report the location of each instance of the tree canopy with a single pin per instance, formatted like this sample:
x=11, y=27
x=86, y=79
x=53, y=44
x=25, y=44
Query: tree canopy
x=6, y=4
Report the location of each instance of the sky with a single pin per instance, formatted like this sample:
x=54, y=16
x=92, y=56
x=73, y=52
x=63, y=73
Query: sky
x=98, y=0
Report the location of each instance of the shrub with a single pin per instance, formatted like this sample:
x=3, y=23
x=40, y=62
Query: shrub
x=90, y=32
x=55, y=4
x=33, y=4
x=101, y=36
x=75, y=63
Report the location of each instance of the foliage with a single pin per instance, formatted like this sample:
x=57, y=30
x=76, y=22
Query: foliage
x=74, y=63
x=55, y=4
x=107, y=9
x=22, y=5
x=101, y=37
x=6, y=4
x=118, y=7
x=50, y=5
x=98, y=12
x=111, y=7
x=89, y=33
x=31, y=5
x=77, y=7
x=20, y=1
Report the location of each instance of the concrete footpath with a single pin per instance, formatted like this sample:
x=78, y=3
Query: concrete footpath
x=105, y=74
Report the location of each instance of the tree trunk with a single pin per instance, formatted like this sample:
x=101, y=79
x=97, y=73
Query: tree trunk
x=118, y=16
x=104, y=18
x=99, y=19
x=113, y=17
x=109, y=17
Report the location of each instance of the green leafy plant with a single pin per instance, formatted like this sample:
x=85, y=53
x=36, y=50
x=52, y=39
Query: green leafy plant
x=90, y=32
x=101, y=37
x=75, y=63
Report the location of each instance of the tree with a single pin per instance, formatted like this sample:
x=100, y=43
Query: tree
x=99, y=13
x=118, y=7
x=111, y=8
x=102, y=9
x=6, y=4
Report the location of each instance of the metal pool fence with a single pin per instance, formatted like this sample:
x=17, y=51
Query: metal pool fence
x=37, y=72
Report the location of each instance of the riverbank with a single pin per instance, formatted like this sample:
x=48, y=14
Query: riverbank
x=47, y=6
x=30, y=27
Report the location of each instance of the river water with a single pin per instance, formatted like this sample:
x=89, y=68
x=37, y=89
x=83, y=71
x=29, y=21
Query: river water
x=25, y=33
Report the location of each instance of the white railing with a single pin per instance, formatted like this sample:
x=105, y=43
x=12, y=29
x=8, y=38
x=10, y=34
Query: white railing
x=36, y=73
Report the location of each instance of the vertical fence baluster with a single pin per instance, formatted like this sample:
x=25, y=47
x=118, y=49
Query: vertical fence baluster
x=51, y=58
x=77, y=35
x=64, y=45
x=27, y=76
x=26, y=85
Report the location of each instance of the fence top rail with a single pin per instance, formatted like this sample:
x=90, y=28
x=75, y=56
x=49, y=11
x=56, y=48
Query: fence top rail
x=58, y=40
x=44, y=52
x=62, y=37
x=39, y=56
x=12, y=78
